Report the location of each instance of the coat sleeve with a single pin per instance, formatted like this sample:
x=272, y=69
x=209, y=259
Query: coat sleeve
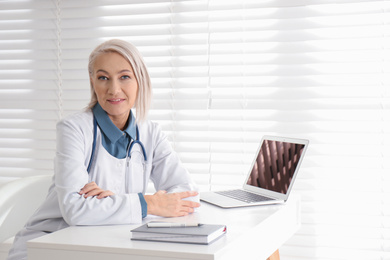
x=74, y=146
x=168, y=172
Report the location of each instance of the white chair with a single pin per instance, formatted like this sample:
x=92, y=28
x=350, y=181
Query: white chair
x=18, y=201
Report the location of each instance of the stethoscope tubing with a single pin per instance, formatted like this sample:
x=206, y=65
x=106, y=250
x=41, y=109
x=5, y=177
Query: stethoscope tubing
x=136, y=141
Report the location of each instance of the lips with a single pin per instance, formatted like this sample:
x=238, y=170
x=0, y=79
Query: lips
x=115, y=100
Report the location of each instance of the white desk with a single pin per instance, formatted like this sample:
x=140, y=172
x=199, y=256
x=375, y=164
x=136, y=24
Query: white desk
x=253, y=233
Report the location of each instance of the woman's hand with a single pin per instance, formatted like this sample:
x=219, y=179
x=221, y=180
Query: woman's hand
x=91, y=189
x=171, y=204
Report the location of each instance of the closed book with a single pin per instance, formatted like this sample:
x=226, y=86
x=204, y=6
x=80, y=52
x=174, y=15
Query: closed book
x=202, y=234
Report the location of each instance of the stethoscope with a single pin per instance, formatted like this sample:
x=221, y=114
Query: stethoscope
x=136, y=141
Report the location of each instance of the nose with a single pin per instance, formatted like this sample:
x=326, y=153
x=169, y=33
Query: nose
x=114, y=88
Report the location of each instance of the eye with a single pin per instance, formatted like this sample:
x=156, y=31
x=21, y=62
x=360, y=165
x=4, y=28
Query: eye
x=102, y=78
x=125, y=77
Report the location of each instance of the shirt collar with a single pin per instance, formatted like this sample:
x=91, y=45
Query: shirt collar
x=108, y=127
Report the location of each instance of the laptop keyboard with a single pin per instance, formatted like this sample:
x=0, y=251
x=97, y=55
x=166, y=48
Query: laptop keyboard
x=243, y=196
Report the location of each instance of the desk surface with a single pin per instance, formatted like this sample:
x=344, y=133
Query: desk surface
x=252, y=233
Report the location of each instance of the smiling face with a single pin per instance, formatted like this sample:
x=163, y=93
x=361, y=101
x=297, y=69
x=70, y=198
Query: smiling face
x=115, y=86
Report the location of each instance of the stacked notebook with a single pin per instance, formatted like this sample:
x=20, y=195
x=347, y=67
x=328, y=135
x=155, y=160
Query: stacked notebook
x=202, y=234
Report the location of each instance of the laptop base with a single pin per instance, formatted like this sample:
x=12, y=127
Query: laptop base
x=227, y=202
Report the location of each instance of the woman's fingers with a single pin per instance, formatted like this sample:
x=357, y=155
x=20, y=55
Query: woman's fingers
x=99, y=193
x=93, y=192
x=88, y=187
x=92, y=189
x=187, y=194
x=105, y=194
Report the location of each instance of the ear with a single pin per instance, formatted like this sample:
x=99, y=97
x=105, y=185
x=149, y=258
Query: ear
x=91, y=82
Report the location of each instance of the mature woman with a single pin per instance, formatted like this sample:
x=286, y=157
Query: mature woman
x=106, y=155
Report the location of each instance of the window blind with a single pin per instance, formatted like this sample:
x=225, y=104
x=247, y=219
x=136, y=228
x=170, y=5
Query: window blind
x=224, y=73
x=28, y=87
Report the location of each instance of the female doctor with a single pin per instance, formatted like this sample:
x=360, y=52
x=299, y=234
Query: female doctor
x=105, y=156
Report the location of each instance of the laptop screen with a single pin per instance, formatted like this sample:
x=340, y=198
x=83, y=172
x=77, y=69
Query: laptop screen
x=275, y=165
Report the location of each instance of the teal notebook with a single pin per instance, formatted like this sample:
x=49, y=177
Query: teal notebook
x=203, y=234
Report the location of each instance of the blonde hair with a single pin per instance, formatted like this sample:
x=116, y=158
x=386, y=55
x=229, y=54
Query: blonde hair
x=134, y=57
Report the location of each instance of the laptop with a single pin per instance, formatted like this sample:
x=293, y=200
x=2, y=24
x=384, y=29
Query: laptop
x=271, y=176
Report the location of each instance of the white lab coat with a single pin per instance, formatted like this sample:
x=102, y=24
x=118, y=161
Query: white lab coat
x=124, y=177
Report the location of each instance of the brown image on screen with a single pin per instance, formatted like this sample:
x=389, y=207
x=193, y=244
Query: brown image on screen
x=275, y=165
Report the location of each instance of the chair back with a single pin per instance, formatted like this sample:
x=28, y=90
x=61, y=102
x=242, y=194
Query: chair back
x=18, y=201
